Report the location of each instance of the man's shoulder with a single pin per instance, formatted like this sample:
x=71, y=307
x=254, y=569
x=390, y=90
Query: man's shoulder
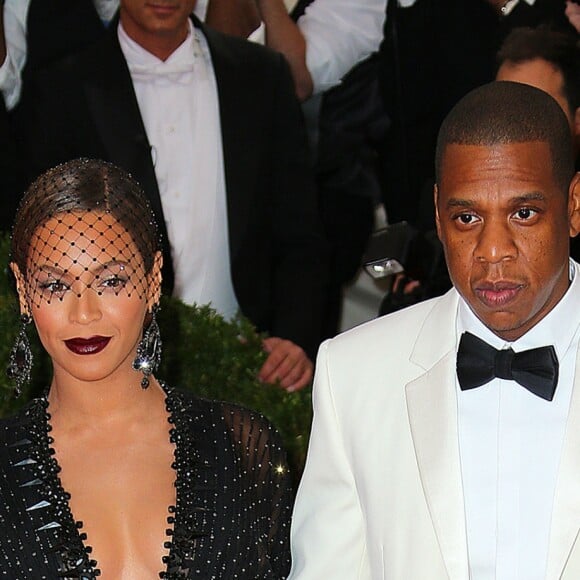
x=393, y=333
x=103, y=54
x=239, y=51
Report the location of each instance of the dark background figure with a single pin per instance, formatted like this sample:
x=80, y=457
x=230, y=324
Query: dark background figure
x=53, y=30
x=348, y=121
x=549, y=60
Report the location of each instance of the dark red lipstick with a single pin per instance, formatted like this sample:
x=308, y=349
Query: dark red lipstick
x=91, y=345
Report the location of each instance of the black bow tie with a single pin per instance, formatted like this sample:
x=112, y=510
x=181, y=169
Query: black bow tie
x=535, y=369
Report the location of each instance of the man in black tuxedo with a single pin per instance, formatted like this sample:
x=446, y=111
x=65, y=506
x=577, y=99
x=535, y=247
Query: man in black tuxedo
x=91, y=105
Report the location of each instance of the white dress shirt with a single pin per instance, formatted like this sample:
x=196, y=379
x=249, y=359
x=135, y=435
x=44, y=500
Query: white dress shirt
x=178, y=101
x=510, y=445
x=15, y=16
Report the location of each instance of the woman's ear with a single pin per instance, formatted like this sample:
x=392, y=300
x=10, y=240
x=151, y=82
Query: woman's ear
x=20, y=288
x=154, y=280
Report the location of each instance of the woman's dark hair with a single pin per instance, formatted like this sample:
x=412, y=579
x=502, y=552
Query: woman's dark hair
x=86, y=185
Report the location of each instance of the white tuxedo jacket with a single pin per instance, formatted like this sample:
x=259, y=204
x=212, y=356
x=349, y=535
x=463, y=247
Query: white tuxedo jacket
x=381, y=497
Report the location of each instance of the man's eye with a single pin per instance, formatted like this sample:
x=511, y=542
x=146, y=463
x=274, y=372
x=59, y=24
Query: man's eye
x=465, y=218
x=525, y=213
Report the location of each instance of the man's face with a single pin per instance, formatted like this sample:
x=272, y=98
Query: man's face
x=150, y=22
x=505, y=224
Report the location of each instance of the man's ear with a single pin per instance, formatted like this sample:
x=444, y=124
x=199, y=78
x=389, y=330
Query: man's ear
x=574, y=206
x=435, y=200
x=20, y=288
x=154, y=279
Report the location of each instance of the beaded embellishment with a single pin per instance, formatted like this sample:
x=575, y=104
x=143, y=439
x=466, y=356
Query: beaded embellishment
x=55, y=518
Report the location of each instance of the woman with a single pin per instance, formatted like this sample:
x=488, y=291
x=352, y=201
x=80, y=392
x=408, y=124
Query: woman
x=113, y=472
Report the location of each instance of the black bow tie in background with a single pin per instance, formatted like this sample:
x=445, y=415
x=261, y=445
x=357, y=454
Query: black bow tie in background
x=535, y=369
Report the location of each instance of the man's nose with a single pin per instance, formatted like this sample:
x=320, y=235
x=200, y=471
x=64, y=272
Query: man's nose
x=495, y=242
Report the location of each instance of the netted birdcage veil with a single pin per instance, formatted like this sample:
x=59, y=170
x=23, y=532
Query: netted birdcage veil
x=85, y=224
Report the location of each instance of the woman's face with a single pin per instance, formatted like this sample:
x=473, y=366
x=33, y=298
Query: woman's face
x=88, y=294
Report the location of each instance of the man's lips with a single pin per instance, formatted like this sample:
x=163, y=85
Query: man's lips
x=162, y=9
x=91, y=345
x=498, y=293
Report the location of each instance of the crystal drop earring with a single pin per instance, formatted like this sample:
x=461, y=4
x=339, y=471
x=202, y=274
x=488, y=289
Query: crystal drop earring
x=149, y=350
x=20, y=361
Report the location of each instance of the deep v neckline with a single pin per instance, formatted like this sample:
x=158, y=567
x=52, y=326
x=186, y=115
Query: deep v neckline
x=73, y=555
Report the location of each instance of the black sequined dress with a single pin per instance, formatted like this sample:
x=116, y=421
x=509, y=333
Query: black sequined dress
x=232, y=515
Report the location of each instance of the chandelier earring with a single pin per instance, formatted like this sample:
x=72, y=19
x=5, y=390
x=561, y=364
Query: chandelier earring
x=149, y=350
x=20, y=361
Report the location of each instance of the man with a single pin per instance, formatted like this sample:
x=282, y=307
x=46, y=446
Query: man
x=549, y=60
x=411, y=475
x=209, y=125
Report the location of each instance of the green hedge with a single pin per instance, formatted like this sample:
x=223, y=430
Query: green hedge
x=202, y=353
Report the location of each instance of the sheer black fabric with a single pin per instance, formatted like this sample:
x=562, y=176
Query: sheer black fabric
x=232, y=515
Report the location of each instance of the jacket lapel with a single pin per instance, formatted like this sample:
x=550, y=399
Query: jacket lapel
x=113, y=106
x=237, y=108
x=432, y=408
x=566, y=510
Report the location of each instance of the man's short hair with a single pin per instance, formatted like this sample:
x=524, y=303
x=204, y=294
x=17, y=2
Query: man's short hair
x=560, y=49
x=504, y=112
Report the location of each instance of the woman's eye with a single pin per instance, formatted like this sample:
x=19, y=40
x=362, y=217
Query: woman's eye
x=53, y=287
x=114, y=282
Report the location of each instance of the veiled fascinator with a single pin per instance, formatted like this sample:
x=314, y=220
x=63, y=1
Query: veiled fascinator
x=85, y=224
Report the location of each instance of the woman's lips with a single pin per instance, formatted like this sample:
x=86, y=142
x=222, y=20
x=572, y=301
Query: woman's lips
x=495, y=295
x=91, y=345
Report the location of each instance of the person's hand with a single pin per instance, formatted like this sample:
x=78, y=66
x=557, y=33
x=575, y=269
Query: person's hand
x=573, y=14
x=287, y=364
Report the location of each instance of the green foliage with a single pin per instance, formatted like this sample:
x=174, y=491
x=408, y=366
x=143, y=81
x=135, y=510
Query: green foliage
x=220, y=360
x=202, y=352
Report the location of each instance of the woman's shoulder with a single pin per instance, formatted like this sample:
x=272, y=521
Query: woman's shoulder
x=232, y=415
x=13, y=426
x=248, y=432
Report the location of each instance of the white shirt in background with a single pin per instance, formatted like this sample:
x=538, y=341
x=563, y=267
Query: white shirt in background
x=178, y=101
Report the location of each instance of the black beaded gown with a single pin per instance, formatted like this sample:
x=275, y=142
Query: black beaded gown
x=232, y=515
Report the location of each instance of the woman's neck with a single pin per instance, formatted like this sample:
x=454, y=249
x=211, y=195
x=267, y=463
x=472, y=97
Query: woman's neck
x=76, y=403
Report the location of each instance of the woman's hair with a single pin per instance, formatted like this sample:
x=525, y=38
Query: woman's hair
x=85, y=186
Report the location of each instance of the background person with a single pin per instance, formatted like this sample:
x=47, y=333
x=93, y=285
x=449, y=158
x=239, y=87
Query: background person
x=549, y=60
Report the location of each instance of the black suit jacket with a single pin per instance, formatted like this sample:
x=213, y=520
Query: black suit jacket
x=86, y=106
